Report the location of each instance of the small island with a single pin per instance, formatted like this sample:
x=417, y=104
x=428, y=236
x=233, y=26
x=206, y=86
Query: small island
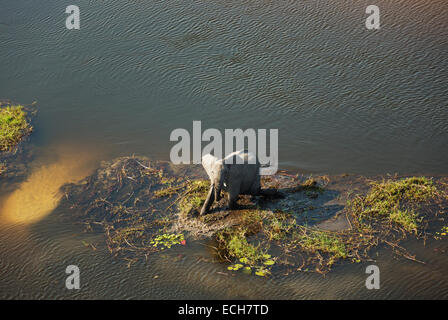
x=15, y=126
x=144, y=207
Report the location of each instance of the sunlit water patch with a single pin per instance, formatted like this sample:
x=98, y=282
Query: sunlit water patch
x=39, y=194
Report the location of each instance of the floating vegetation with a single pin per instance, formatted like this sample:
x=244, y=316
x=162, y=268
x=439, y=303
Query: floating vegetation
x=14, y=125
x=442, y=233
x=311, y=188
x=321, y=241
x=278, y=232
x=232, y=243
x=120, y=198
x=143, y=208
x=395, y=202
x=168, y=240
x=193, y=196
x=260, y=270
x=386, y=214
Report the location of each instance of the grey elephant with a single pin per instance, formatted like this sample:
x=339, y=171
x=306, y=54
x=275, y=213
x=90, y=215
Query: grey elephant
x=238, y=173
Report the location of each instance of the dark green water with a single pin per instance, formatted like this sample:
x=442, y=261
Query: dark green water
x=345, y=99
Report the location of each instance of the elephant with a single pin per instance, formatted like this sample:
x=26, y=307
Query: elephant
x=238, y=173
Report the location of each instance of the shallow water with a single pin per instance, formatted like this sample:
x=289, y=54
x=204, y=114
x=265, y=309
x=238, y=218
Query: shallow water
x=39, y=194
x=344, y=99
x=34, y=260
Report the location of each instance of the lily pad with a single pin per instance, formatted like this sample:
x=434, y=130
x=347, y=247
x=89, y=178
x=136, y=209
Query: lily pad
x=260, y=273
x=244, y=260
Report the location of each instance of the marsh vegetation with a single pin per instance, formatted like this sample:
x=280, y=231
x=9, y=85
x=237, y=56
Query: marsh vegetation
x=14, y=125
x=144, y=207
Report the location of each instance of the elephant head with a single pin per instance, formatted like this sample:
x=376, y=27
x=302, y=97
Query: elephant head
x=217, y=171
x=221, y=171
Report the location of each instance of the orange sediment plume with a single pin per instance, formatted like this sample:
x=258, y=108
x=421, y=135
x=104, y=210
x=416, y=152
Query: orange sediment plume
x=40, y=194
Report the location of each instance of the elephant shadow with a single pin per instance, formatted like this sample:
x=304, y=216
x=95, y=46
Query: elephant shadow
x=310, y=206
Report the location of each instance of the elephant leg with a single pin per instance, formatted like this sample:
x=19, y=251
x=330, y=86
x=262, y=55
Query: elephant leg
x=256, y=187
x=209, y=201
x=233, y=197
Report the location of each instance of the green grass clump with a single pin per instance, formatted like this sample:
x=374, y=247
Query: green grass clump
x=194, y=196
x=412, y=189
x=406, y=218
x=317, y=240
x=234, y=245
x=279, y=225
x=13, y=126
x=167, y=192
x=191, y=194
x=395, y=201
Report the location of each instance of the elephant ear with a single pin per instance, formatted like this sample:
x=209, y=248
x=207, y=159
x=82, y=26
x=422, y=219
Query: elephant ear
x=208, y=162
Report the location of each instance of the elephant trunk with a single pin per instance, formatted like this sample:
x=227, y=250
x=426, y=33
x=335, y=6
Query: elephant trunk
x=218, y=188
x=209, y=201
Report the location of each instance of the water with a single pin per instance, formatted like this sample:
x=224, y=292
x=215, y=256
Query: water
x=344, y=99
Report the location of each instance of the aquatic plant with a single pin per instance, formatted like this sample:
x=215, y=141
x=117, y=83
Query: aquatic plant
x=310, y=187
x=167, y=240
x=190, y=194
x=143, y=209
x=193, y=197
x=442, y=233
x=265, y=262
x=279, y=225
x=232, y=243
x=395, y=201
x=322, y=241
x=14, y=125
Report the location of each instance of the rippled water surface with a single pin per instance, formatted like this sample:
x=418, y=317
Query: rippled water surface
x=344, y=99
